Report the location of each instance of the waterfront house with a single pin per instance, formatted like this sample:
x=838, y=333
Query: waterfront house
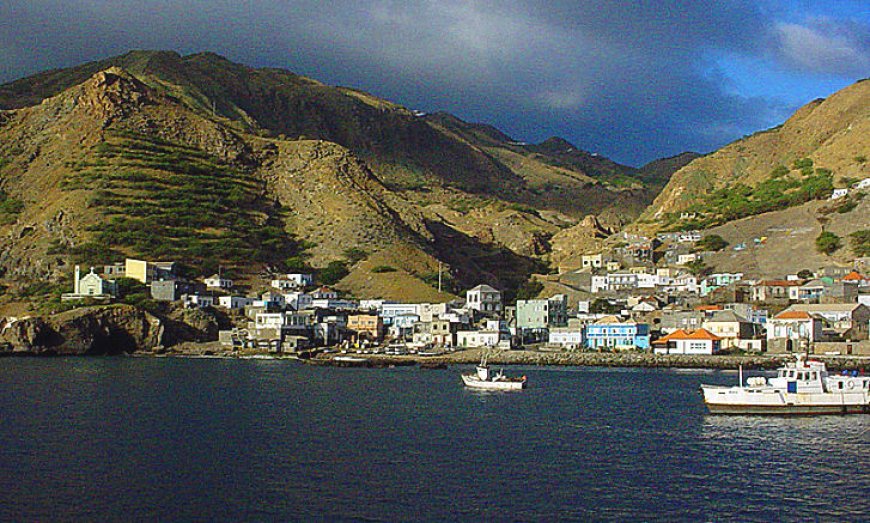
x=440, y=333
x=573, y=337
x=700, y=341
x=793, y=330
x=610, y=333
x=402, y=326
x=536, y=316
x=840, y=319
x=733, y=330
x=366, y=327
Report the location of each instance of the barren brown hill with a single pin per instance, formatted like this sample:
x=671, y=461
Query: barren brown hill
x=825, y=138
x=216, y=164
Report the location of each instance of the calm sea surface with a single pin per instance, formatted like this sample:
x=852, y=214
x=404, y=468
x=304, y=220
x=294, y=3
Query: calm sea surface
x=183, y=439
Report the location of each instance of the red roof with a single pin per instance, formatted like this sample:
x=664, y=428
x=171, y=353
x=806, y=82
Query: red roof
x=793, y=315
x=680, y=334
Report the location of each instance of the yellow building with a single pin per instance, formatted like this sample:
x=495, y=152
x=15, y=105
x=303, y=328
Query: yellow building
x=146, y=272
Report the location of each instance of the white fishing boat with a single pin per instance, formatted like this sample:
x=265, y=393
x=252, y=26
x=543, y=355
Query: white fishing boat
x=484, y=378
x=803, y=387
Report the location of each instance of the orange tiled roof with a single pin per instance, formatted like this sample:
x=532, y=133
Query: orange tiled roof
x=853, y=276
x=708, y=307
x=680, y=334
x=793, y=315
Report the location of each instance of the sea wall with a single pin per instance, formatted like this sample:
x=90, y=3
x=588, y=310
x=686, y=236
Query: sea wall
x=635, y=359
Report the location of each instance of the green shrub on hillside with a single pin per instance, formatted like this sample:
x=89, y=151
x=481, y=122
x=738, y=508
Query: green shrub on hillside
x=529, y=290
x=383, y=268
x=711, y=242
x=172, y=201
x=332, y=273
x=740, y=200
x=355, y=255
x=860, y=242
x=10, y=208
x=828, y=243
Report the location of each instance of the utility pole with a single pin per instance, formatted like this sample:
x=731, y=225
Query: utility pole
x=439, y=276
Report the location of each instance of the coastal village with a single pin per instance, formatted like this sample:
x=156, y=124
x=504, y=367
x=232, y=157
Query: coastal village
x=640, y=297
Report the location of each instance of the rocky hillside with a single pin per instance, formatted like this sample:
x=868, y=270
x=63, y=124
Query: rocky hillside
x=212, y=163
x=822, y=146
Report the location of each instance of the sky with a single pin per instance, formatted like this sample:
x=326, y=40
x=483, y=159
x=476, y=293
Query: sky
x=634, y=80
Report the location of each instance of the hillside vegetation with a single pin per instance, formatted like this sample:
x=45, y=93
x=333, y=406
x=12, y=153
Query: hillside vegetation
x=822, y=146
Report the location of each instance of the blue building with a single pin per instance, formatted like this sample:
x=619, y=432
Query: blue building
x=610, y=333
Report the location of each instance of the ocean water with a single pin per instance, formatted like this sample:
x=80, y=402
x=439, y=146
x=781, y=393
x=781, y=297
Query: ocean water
x=107, y=439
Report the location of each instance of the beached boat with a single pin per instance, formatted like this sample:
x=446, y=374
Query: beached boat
x=802, y=387
x=484, y=378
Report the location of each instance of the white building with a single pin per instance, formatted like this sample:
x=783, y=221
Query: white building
x=391, y=310
x=567, y=337
x=484, y=298
x=324, y=293
x=197, y=301
x=215, y=281
x=687, y=258
x=234, y=302
x=699, y=341
x=299, y=300
x=839, y=193
x=90, y=285
x=336, y=304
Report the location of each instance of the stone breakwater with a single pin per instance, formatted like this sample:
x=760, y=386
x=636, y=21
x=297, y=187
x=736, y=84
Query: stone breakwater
x=632, y=359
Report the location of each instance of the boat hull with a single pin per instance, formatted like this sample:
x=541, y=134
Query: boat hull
x=741, y=400
x=787, y=410
x=474, y=382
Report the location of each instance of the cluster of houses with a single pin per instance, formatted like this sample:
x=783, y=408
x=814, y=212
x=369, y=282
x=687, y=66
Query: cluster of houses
x=660, y=311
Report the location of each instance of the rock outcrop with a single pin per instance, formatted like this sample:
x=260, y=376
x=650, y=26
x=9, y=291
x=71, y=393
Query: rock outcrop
x=114, y=329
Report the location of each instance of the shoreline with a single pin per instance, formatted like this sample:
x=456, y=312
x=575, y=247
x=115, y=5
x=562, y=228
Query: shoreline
x=523, y=357
x=496, y=357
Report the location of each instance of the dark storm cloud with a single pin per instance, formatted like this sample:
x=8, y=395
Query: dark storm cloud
x=632, y=80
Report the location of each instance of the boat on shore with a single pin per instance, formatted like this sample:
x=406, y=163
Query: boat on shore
x=801, y=388
x=484, y=378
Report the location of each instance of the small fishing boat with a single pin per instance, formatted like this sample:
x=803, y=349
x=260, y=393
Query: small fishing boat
x=803, y=387
x=484, y=378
